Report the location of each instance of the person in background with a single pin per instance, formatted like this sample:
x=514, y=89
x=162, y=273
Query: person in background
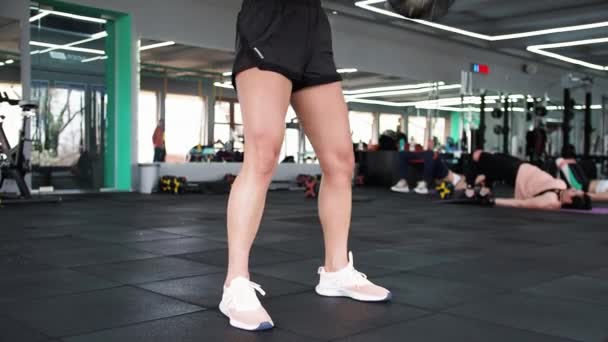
x=534, y=188
x=158, y=139
x=434, y=170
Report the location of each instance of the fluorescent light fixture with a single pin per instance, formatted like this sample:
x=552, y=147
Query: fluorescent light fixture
x=39, y=16
x=227, y=74
x=347, y=70
x=69, y=15
x=226, y=85
x=157, y=45
x=53, y=47
x=70, y=46
x=376, y=102
x=1, y=64
x=540, y=50
x=9, y=61
x=407, y=92
x=367, y=5
x=94, y=59
x=392, y=88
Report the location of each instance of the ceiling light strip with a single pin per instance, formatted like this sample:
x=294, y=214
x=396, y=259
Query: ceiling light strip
x=68, y=48
x=567, y=59
x=392, y=88
x=39, y=16
x=70, y=15
x=96, y=36
x=406, y=92
x=367, y=5
x=157, y=45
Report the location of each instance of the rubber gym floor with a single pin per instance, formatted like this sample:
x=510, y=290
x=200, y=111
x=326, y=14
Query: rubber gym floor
x=126, y=267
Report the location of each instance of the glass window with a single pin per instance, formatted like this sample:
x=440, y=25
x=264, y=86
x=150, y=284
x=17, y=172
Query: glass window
x=184, y=125
x=147, y=120
x=438, y=129
x=361, y=126
x=12, y=121
x=416, y=129
x=238, y=116
x=291, y=142
x=64, y=124
x=389, y=122
x=222, y=112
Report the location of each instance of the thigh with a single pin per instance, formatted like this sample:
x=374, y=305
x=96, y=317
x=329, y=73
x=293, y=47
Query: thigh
x=323, y=114
x=264, y=97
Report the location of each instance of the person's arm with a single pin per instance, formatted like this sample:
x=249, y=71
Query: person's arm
x=601, y=197
x=548, y=201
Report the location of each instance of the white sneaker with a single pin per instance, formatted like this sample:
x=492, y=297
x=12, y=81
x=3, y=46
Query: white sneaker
x=350, y=283
x=242, y=306
x=421, y=188
x=401, y=186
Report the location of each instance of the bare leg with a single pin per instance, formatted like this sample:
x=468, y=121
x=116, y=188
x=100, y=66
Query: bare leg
x=593, y=186
x=264, y=98
x=548, y=201
x=324, y=116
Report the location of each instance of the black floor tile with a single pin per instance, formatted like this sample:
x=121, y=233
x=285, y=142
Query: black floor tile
x=601, y=273
x=130, y=236
x=207, y=290
x=88, y=256
x=149, y=270
x=431, y=293
x=501, y=274
x=47, y=244
x=263, y=237
x=564, y=318
x=199, y=230
x=305, y=271
x=177, y=246
x=592, y=290
x=12, y=264
x=400, y=260
x=444, y=328
x=49, y=283
x=259, y=256
x=491, y=272
x=313, y=247
x=14, y=331
x=195, y=327
x=328, y=318
x=91, y=311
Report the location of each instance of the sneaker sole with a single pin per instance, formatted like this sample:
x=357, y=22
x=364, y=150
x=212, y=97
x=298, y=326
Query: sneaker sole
x=400, y=191
x=351, y=294
x=240, y=325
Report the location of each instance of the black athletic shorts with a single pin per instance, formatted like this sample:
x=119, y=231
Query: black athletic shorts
x=290, y=37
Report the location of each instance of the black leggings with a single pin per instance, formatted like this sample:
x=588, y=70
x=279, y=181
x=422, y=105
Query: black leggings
x=433, y=168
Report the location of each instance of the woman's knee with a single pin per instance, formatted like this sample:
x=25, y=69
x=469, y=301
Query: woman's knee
x=262, y=155
x=338, y=162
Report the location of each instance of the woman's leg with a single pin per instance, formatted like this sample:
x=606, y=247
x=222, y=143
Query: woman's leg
x=324, y=117
x=264, y=98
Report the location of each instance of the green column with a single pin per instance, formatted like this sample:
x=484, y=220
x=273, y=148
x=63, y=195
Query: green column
x=119, y=82
x=456, y=127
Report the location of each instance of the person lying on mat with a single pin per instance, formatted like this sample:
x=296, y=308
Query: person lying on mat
x=572, y=173
x=534, y=188
x=435, y=170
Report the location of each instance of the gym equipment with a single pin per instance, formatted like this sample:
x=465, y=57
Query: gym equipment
x=478, y=198
x=13, y=163
x=445, y=190
x=312, y=187
x=499, y=130
x=430, y=10
x=497, y=113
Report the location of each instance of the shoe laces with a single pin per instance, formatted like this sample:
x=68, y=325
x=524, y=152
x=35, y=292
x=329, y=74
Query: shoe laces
x=243, y=295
